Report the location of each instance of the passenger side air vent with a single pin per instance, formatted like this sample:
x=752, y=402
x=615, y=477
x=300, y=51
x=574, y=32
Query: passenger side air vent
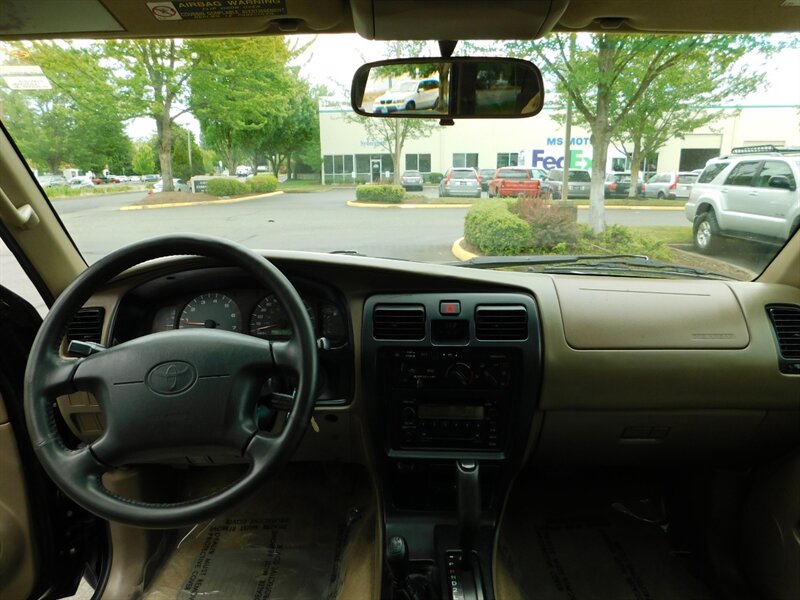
x=785, y=320
x=398, y=322
x=501, y=323
x=87, y=325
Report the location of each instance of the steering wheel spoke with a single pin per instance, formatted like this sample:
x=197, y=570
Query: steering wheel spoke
x=59, y=377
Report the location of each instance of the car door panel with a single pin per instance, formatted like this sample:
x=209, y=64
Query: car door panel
x=771, y=206
x=738, y=204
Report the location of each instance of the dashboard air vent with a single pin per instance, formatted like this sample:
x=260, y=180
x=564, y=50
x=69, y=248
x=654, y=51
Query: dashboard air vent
x=398, y=322
x=87, y=325
x=785, y=320
x=501, y=323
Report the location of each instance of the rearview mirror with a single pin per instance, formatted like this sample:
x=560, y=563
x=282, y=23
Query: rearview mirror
x=476, y=88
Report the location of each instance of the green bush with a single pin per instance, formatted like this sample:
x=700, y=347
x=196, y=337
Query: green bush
x=490, y=227
x=263, y=184
x=226, y=187
x=391, y=194
x=618, y=239
x=432, y=177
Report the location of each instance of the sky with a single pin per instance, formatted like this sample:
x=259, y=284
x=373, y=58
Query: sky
x=331, y=60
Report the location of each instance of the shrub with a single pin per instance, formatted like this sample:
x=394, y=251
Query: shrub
x=618, y=239
x=226, y=187
x=391, y=194
x=553, y=228
x=490, y=227
x=262, y=184
x=432, y=177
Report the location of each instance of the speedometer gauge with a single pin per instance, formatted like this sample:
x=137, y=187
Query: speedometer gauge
x=213, y=311
x=270, y=320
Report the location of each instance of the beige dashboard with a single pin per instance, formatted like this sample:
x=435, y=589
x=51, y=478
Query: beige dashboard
x=634, y=371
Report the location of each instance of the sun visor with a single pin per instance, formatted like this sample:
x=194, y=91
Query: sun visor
x=26, y=18
x=455, y=19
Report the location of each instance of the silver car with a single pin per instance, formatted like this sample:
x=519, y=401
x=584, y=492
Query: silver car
x=462, y=181
x=670, y=185
x=411, y=180
x=580, y=183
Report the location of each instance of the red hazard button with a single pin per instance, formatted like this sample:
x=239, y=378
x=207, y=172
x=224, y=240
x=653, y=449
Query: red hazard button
x=450, y=308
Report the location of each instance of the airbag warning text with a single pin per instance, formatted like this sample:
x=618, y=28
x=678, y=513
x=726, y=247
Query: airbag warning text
x=178, y=10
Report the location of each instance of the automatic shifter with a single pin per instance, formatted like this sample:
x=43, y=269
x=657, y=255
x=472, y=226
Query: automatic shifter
x=469, y=509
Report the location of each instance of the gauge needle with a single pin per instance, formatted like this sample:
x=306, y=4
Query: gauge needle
x=273, y=326
x=210, y=324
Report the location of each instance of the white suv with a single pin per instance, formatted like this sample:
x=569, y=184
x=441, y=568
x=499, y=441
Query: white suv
x=751, y=194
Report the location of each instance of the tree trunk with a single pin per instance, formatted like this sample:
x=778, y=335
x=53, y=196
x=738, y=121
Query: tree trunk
x=398, y=148
x=636, y=159
x=165, y=151
x=597, y=204
x=289, y=166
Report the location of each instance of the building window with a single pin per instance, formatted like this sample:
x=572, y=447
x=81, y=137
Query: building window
x=339, y=168
x=465, y=159
x=418, y=162
x=507, y=159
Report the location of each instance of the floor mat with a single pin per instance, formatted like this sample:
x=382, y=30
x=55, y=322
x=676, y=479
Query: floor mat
x=592, y=553
x=287, y=542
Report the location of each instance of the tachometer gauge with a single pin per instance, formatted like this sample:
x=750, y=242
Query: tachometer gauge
x=213, y=311
x=270, y=320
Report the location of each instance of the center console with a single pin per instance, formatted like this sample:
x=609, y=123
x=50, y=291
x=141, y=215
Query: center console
x=452, y=386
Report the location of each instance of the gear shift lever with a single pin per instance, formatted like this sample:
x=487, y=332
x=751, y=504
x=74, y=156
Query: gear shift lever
x=469, y=508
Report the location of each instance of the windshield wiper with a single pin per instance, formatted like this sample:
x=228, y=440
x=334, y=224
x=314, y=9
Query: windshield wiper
x=630, y=265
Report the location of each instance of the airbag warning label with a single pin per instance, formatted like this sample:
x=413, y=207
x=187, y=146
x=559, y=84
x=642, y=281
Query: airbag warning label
x=178, y=10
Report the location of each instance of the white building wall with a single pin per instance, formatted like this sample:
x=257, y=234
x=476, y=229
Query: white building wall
x=734, y=127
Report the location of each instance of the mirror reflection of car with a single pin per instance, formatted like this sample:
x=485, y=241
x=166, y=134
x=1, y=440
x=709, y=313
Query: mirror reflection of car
x=416, y=94
x=411, y=180
x=462, y=181
x=580, y=183
x=514, y=181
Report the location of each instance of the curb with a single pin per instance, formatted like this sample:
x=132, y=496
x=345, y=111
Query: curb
x=199, y=202
x=355, y=204
x=664, y=208
x=459, y=252
x=57, y=198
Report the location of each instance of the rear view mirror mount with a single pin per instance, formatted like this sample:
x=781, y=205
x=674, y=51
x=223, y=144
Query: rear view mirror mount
x=448, y=88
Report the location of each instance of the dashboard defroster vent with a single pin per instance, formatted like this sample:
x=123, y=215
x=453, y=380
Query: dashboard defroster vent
x=398, y=322
x=501, y=323
x=785, y=320
x=87, y=325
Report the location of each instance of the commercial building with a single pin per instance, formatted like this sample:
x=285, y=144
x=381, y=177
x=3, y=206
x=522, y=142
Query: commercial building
x=349, y=154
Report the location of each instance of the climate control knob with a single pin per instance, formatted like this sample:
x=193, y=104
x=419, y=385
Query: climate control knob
x=460, y=373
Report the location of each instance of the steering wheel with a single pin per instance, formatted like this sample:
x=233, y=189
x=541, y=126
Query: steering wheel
x=169, y=395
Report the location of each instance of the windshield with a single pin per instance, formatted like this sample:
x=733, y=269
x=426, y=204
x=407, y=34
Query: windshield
x=254, y=140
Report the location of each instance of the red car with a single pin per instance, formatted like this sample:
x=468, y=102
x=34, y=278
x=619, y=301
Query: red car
x=513, y=181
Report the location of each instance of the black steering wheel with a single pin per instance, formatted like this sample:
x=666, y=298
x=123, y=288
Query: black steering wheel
x=169, y=395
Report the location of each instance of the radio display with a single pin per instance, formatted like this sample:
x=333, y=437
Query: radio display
x=450, y=411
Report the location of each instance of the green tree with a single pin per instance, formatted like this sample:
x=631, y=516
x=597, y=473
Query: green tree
x=675, y=104
x=151, y=75
x=608, y=74
x=143, y=162
x=241, y=91
x=180, y=155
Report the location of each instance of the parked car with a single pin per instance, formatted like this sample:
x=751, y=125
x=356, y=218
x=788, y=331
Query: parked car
x=179, y=185
x=135, y=178
x=411, y=180
x=618, y=185
x=580, y=183
x=462, y=181
x=152, y=177
x=415, y=94
x=749, y=196
x=537, y=173
x=81, y=182
x=486, y=176
x=513, y=181
x=669, y=185
x=47, y=181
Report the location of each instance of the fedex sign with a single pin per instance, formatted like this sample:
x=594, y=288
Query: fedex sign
x=542, y=159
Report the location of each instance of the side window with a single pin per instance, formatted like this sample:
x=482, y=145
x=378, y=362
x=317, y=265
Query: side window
x=711, y=171
x=742, y=174
x=773, y=168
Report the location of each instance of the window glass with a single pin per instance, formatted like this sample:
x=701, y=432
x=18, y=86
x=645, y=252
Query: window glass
x=424, y=163
x=711, y=171
x=774, y=168
x=513, y=174
x=507, y=159
x=580, y=176
x=742, y=174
